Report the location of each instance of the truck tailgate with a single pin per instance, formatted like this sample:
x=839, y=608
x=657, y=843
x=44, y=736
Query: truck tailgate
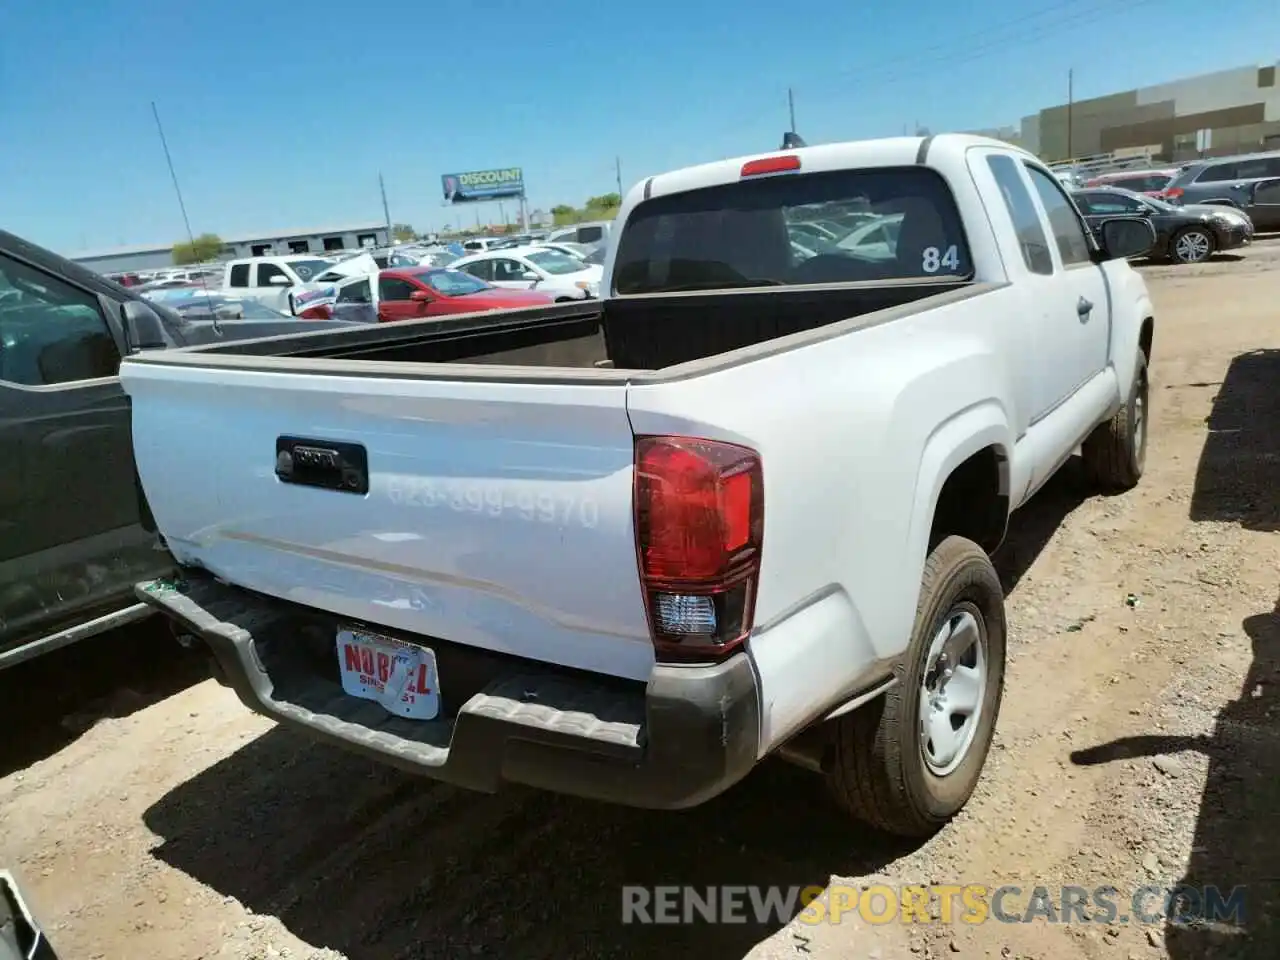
x=496, y=515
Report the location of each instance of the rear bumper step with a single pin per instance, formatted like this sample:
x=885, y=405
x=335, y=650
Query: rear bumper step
x=689, y=734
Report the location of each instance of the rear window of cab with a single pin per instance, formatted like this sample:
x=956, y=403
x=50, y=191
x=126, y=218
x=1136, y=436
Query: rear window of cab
x=841, y=226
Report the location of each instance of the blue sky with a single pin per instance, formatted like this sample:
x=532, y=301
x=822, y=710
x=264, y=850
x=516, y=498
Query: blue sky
x=282, y=115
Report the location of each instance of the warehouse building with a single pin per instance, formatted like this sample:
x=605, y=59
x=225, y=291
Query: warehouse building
x=331, y=239
x=1214, y=114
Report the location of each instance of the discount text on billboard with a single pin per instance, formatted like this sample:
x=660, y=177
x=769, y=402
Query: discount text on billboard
x=483, y=185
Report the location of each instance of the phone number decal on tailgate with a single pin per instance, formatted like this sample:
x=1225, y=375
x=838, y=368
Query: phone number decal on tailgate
x=494, y=500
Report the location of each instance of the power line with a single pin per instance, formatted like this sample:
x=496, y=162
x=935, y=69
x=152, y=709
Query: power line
x=909, y=66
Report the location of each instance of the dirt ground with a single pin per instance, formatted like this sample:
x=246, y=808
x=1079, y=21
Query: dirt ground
x=149, y=815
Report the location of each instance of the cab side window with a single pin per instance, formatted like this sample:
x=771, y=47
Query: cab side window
x=50, y=331
x=480, y=268
x=266, y=271
x=1068, y=231
x=393, y=288
x=358, y=292
x=1022, y=211
x=239, y=275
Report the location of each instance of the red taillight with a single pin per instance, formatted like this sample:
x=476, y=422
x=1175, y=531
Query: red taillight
x=754, y=168
x=318, y=312
x=1171, y=193
x=699, y=524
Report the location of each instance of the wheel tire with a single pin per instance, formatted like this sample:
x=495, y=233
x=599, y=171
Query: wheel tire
x=878, y=771
x=1209, y=245
x=1115, y=454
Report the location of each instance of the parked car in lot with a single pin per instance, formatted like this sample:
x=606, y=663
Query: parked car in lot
x=578, y=250
x=1221, y=180
x=743, y=505
x=1150, y=182
x=273, y=281
x=1188, y=234
x=595, y=231
x=535, y=268
x=75, y=530
x=417, y=293
x=420, y=292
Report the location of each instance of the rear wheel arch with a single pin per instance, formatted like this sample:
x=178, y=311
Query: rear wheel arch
x=973, y=501
x=1146, y=336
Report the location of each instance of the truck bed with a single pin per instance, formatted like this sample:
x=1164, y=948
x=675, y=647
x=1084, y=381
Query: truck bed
x=631, y=333
x=469, y=480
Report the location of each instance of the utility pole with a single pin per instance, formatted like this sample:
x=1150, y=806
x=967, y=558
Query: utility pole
x=617, y=169
x=791, y=108
x=386, y=212
x=1071, y=97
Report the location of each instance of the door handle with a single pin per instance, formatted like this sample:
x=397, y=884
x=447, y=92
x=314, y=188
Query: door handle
x=1084, y=308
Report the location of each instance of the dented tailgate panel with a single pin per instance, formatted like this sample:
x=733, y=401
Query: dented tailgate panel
x=496, y=514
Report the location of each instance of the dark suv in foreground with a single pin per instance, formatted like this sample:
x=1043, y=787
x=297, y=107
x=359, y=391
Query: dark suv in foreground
x=75, y=533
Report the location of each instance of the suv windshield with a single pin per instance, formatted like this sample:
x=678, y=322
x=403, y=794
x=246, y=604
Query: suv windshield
x=308, y=270
x=901, y=223
x=553, y=261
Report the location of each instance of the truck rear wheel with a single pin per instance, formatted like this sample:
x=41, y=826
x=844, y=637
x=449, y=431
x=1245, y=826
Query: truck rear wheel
x=1115, y=454
x=907, y=762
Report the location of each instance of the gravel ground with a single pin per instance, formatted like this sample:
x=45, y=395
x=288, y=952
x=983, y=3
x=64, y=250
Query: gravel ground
x=149, y=815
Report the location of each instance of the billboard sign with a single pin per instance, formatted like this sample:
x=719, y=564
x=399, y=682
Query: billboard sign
x=483, y=185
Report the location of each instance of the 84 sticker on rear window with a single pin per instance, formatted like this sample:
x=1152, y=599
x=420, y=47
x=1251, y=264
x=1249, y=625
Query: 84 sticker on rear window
x=934, y=259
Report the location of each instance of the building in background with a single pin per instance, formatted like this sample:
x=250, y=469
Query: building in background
x=331, y=239
x=1214, y=114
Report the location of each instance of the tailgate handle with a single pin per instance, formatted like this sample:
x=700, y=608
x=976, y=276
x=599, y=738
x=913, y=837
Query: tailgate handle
x=328, y=464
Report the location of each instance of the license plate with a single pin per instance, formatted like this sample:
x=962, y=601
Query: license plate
x=400, y=676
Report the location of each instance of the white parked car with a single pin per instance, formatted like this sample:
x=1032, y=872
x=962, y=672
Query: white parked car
x=595, y=231
x=743, y=505
x=578, y=250
x=535, y=268
x=273, y=281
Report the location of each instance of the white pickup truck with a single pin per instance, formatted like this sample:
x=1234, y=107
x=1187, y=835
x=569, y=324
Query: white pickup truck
x=273, y=281
x=627, y=549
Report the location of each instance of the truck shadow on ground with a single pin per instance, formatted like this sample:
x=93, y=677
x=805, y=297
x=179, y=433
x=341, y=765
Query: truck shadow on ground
x=1032, y=527
x=49, y=701
x=1238, y=477
x=377, y=864
x=1237, y=837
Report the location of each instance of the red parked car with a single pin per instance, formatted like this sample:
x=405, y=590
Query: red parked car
x=416, y=293
x=411, y=293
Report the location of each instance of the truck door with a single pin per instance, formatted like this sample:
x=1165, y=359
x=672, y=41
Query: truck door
x=394, y=300
x=1084, y=296
x=71, y=539
x=1050, y=370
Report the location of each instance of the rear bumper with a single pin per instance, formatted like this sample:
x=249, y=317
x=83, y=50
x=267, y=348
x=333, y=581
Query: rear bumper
x=686, y=736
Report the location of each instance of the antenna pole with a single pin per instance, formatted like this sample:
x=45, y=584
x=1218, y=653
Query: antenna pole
x=791, y=108
x=176, y=189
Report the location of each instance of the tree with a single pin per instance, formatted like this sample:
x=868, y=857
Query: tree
x=608, y=201
x=402, y=233
x=202, y=248
x=563, y=214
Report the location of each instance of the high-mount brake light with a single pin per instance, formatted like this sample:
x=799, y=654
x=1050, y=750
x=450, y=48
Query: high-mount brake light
x=699, y=521
x=781, y=164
